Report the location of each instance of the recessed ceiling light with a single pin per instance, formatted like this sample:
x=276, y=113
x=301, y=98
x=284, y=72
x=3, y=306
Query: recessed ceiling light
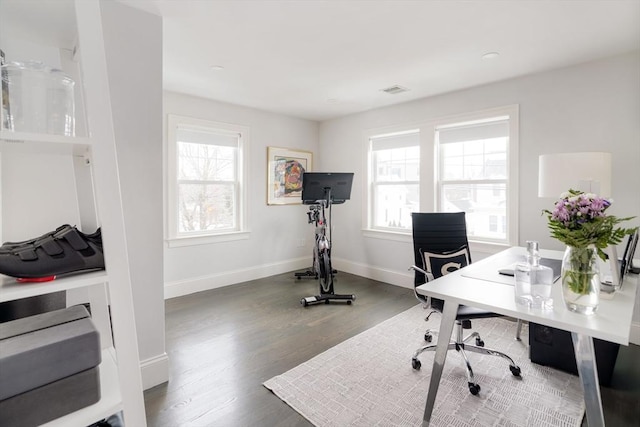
x=490, y=55
x=216, y=68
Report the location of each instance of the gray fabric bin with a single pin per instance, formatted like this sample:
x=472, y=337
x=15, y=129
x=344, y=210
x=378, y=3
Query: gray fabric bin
x=41, y=349
x=12, y=310
x=51, y=401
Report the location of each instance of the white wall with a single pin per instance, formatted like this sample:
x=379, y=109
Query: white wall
x=272, y=246
x=28, y=211
x=591, y=107
x=133, y=45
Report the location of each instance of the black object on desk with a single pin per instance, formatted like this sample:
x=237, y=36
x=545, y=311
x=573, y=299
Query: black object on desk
x=554, y=264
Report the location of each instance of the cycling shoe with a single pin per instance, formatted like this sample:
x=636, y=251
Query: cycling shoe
x=66, y=250
x=9, y=246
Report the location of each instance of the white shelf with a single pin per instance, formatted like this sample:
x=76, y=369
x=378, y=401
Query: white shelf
x=11, y=290
x=110, y=397
x=110, y=295
x=42, y=143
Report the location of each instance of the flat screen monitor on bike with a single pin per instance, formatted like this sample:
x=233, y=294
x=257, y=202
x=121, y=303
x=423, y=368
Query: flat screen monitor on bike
x=315, y=186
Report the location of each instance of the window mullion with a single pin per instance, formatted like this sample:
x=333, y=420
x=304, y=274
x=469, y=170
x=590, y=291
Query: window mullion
x=206, y=182
x=396, y=182
x=472, y=181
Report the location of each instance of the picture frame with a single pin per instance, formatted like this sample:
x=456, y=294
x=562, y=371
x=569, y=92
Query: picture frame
x=285, y=167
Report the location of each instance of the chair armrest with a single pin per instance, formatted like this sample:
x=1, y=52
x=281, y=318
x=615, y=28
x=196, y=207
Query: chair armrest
x=427, y=275
x=422, y=298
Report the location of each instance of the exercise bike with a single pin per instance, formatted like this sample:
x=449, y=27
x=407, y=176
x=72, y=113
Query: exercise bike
x=322, y=268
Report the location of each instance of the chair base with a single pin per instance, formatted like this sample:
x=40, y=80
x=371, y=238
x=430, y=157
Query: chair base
x=461, y=346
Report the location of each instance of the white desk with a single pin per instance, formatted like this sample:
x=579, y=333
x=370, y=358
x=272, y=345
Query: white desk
x=479, y=285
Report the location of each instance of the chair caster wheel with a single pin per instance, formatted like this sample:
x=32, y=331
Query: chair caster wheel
x=474, y=388
x=515, y=370
x=415, y=364
x=479, y=342
x=303, y=302
x=326, y=301
x=348, y=302
x=428, y=337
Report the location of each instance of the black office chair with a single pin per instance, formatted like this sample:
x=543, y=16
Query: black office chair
x=440, y=247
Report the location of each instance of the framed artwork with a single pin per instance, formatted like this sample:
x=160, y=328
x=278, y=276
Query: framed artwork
x=284, y=175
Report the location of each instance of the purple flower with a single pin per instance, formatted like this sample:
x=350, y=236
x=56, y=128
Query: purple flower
x=560, y=213
x=580, y=218
x=599, y=204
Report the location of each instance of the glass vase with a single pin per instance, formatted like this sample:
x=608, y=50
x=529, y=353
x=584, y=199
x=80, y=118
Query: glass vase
x=581, y=279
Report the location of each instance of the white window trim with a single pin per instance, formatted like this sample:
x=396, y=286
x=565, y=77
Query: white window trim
x=511, y=112
x=368, y=231
x=171, y=237
x=376, y=185
x=428, y=172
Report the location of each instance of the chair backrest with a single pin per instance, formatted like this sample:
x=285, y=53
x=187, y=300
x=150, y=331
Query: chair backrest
x=439, y=233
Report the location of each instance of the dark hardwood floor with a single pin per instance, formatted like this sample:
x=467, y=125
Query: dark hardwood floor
x=224, y=343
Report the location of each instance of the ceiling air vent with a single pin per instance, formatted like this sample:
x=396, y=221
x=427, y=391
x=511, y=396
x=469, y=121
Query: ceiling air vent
x=394, y=90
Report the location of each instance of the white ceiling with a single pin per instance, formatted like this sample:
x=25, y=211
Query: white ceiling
x=323, y=59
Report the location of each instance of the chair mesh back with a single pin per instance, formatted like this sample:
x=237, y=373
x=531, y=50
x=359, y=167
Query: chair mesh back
x=437, y=232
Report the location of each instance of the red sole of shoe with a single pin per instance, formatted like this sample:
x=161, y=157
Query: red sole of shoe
x=35, y=279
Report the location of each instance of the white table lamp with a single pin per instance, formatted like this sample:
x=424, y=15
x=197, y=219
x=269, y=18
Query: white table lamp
x=589, y=172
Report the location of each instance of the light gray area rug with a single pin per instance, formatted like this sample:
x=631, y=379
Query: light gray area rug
x=368, y=381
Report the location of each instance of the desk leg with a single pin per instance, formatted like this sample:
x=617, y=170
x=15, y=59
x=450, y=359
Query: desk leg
x=444, y=336
x=586, y=361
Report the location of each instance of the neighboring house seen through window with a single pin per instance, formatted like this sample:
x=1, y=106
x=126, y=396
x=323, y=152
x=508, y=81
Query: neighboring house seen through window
x=206, y=170
x=473, y=175
x=395, y=180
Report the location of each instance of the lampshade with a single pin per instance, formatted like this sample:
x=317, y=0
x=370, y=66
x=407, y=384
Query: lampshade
x=588, y=172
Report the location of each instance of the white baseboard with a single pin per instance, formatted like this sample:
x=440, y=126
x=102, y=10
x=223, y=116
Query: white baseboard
x=155, y=371
x=404, y=280
x=204, y=283
x=634, y=336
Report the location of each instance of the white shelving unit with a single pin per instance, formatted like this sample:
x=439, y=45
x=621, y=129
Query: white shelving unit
x=109, y=291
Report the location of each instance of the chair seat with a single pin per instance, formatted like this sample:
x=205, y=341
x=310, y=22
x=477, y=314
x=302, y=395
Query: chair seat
x=470, y=313
x=465, y=312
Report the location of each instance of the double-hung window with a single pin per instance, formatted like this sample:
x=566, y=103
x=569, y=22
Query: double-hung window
x=394, y=177
x=206, y=194
x=475, y=174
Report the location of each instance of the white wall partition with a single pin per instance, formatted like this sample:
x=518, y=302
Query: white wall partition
x=133, y=47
